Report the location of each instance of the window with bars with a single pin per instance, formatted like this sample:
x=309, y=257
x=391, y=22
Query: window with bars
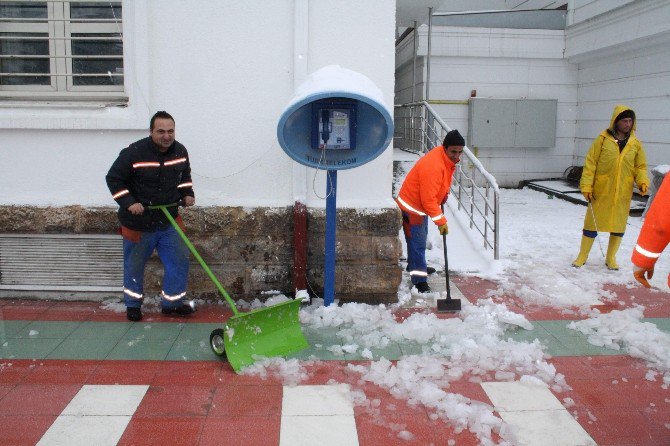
x=61, y=49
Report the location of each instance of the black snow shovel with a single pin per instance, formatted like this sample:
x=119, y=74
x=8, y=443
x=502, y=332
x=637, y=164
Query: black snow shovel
x=447, y=305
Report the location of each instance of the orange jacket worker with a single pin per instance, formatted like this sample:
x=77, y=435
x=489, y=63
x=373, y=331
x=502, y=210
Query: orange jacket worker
x=425, y=188
x=654, y=236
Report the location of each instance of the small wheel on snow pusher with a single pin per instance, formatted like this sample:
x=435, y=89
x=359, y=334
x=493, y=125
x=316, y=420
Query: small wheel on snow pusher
x=216, y=342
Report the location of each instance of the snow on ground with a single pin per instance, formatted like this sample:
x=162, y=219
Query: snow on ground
x=539, y=239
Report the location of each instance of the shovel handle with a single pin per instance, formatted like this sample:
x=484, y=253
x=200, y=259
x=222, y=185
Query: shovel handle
x=446, y=260
x=196, y=254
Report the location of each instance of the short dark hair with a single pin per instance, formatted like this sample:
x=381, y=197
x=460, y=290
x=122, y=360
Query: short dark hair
x=159, y=115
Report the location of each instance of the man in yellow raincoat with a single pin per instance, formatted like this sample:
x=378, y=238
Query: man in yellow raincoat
x=615, y=161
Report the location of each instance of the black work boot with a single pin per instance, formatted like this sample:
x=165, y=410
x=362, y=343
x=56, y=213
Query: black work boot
x=134, y=314
x=182, y=310
x=422, y=287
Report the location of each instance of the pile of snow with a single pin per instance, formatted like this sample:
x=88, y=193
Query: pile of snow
x=472, y=346
x=625, y=330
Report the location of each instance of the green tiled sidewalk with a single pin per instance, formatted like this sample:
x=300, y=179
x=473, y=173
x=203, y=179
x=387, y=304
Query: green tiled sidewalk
x=105, y=340
x=190, y=341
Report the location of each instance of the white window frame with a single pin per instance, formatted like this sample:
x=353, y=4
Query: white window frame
x=60, y=29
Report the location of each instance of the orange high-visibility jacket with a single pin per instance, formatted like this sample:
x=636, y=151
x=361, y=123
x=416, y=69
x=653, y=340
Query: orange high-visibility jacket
x=427, y=185
x=655, y=233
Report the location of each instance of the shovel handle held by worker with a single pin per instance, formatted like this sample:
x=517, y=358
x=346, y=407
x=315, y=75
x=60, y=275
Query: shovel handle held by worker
x=175, y=225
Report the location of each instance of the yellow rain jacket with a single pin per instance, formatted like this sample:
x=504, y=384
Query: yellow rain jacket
x=609, y=175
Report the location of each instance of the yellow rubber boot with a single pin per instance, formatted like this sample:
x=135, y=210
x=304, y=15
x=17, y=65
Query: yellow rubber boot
x=612, y=248
x=587, y=243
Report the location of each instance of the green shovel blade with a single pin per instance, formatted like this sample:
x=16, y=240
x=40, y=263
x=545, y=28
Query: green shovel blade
x=265, y=332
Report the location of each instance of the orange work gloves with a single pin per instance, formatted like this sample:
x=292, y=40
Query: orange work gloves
x=588, y=195
x=644, y=188
x=444, y=229
x=639, y=273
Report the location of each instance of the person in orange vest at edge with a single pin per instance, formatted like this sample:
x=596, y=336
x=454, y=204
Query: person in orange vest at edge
x=615, y=161
x=654, y=236
x=425, y=188
x=154, y=170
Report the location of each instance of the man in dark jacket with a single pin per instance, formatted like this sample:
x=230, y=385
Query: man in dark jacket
x=151, y=171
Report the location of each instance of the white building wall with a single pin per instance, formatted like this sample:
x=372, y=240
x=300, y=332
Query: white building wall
x=582, y=10
x=624, y=58
x=499, y=63
x=224, y=70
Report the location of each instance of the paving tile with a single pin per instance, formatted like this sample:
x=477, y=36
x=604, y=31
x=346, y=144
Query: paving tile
x=177, y=400
x=559, y=329
x=24, y=430
x=14, y=371
x=60, y=372
x=241, y=431
x=111, y=331
x=596, y=393
x=662, y=323
x=580, y=346
x=82, y=349
x=191, y=351
x=38, y=399
x=412, y=349
x=245, y=401
x=47, y=329
x=391, y=351
x=9, y=329
x=152, y=349
x=198, y=373
x=179, y=430
x=21, y=348
x=197, y=332
x=125, y=372
x=610, y=426
x=153, y=331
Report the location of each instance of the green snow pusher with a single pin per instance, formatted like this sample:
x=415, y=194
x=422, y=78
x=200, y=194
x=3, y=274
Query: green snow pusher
x=257, y=334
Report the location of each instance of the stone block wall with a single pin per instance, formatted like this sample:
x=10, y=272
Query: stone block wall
x=250, y=250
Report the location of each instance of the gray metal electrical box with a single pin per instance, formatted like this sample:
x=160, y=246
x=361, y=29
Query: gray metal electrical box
x=512, y=122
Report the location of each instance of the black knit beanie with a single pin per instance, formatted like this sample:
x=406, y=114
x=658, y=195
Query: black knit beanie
x=625, y=114
x=453, y=138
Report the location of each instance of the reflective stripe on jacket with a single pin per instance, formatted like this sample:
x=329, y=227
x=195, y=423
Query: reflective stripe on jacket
x=655, y=233
x=427, y=185
x=144, y=174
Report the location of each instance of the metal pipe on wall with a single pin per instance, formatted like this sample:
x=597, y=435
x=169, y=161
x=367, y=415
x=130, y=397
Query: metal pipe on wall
x=300, y=51
x=430, y=32
x=414, y=63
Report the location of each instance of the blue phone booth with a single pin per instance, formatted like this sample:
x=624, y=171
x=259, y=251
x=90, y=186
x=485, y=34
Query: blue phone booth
x=336, y=120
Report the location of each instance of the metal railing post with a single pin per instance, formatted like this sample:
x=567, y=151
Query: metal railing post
x=427, y=130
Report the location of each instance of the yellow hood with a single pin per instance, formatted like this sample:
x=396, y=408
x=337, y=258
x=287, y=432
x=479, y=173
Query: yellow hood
x=617, y=111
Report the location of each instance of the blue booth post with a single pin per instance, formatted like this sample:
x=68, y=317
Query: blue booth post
x=336, y=120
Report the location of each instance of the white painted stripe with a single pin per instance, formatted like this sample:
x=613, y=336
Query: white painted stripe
x=536, y=415
x=96, y=415
x=322, y=415
x=644, y=252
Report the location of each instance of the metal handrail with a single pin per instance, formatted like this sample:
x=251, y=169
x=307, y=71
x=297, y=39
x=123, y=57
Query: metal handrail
x=418, y=128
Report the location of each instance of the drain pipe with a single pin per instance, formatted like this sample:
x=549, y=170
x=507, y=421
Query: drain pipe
x=300, y=47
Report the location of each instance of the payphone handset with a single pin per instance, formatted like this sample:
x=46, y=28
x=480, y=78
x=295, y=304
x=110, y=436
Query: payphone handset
x=334, y=125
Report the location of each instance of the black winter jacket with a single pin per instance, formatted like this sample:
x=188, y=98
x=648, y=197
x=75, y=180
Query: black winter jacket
x=144, y=174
